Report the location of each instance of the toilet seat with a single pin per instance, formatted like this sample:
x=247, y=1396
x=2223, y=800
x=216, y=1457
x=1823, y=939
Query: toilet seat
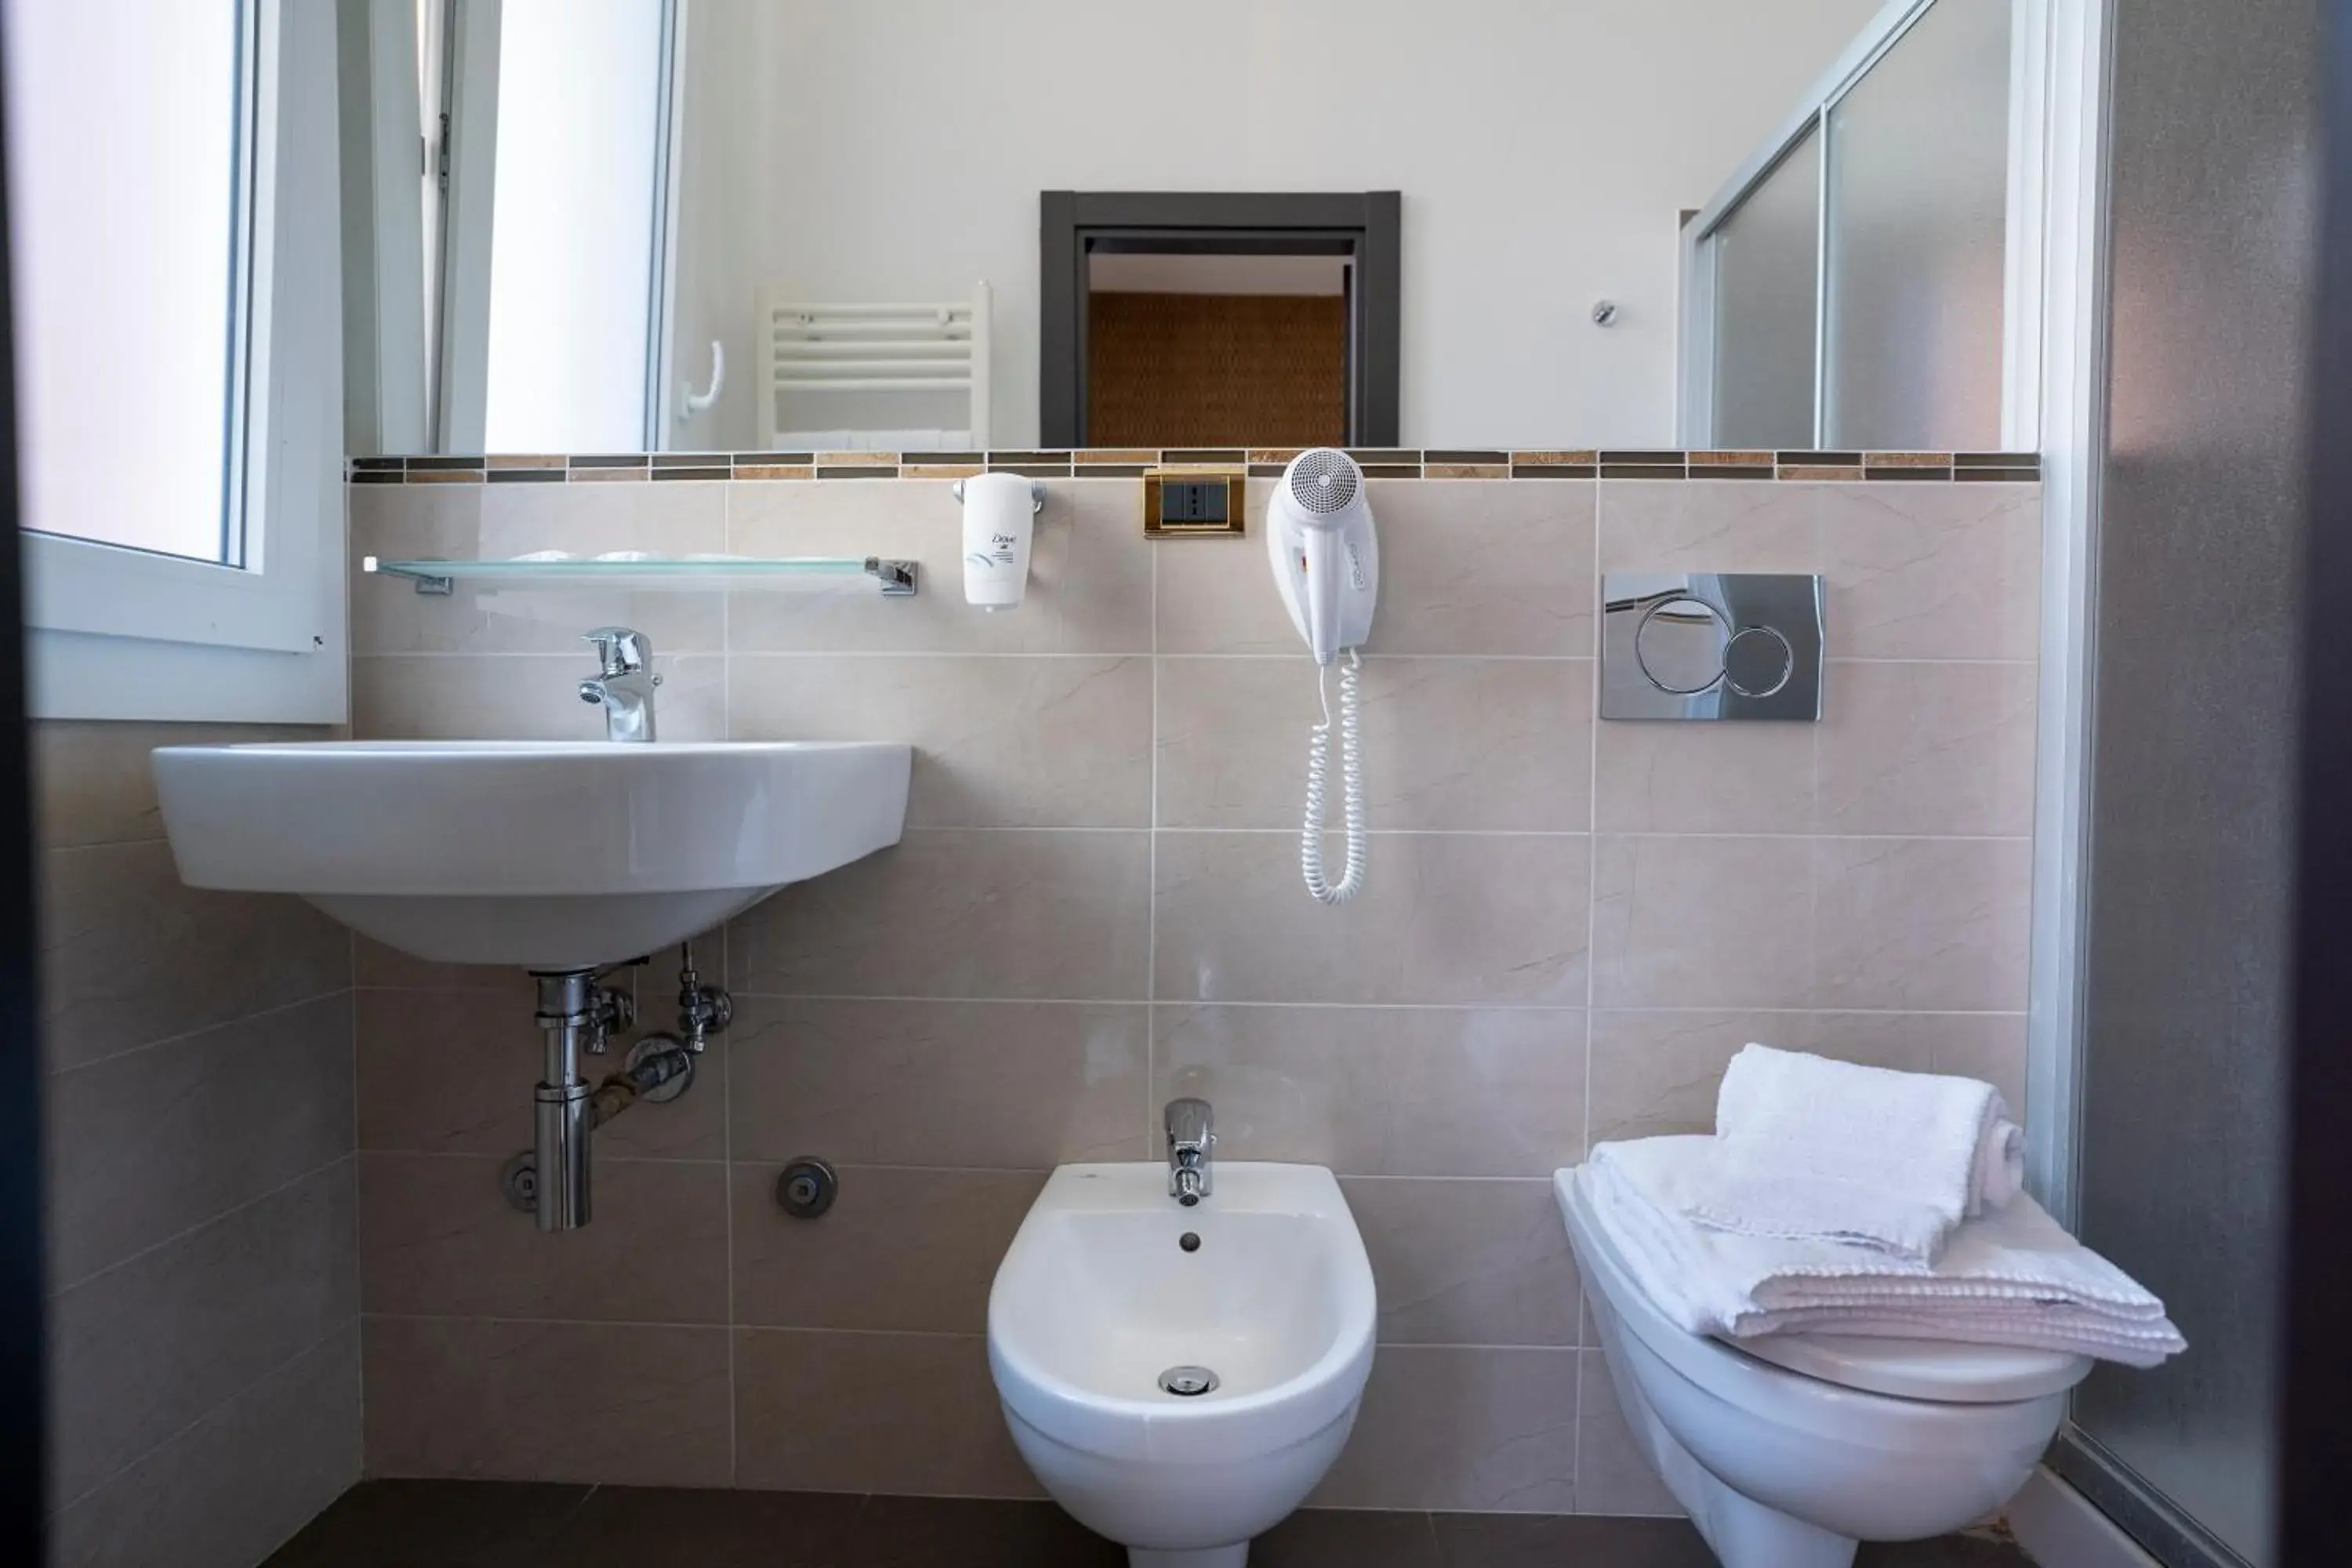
x=1919, y=1368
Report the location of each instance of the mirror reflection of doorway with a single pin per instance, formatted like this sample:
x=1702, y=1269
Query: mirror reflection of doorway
x=1209, y=349
x=1199, y=319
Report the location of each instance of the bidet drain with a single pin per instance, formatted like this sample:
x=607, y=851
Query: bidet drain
x=1187, y=1381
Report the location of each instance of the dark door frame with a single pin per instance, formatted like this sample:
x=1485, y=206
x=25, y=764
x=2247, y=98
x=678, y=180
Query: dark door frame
x=2316, y=1356
x=24, y=1424
x=1367, y=225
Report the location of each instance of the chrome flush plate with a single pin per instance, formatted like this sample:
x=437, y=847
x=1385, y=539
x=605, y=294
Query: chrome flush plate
x=1710, y=645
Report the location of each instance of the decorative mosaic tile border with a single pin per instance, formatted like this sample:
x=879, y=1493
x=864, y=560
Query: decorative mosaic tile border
x=1262, y=462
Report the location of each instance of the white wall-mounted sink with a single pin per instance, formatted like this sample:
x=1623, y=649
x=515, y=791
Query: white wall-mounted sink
x=553, y=855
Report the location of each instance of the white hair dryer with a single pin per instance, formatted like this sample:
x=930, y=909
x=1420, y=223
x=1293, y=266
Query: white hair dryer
x=1327, y=560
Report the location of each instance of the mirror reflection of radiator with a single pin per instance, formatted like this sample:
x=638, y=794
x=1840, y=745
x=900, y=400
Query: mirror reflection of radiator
x=826, y=372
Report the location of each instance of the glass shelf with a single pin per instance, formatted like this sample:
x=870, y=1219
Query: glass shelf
x=896, y=578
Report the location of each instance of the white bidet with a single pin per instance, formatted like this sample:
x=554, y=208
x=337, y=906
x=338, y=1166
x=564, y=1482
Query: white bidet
x=1180, y=1378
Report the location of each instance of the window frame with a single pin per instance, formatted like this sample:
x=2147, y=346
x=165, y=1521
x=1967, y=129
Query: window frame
x=117, y=633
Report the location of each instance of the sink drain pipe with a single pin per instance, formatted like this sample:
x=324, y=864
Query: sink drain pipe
x=574, y=1014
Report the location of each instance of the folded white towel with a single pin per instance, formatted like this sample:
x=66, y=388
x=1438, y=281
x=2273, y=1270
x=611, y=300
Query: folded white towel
x=1807, y=1148
x=2011, y=1278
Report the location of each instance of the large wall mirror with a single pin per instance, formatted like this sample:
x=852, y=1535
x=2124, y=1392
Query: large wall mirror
x=922, y=224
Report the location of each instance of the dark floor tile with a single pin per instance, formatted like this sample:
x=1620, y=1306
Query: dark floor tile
x=1537, y=1540
x=500, y=1524
x=668, y=1527
x=1346, y=1538
x=1970, y=1550
x=956, y=1532
x=449, y=1524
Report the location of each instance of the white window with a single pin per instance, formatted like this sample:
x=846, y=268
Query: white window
x=572, y=252
x=172, y=176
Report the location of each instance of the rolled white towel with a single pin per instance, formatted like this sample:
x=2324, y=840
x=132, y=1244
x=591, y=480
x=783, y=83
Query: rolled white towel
x=2001, y=1164
x=1807, y=1148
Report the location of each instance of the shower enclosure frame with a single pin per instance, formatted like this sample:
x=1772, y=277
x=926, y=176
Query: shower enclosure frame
x=2030, y=61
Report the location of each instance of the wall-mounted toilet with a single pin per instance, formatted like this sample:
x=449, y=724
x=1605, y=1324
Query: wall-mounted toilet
x=1180, y=1377
x=1788, y=1450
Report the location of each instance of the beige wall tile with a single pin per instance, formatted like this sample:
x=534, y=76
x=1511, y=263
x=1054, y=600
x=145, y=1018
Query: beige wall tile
x=1910, y=571
x=1217, y=595
x=1926, y=748
x=1614, y=1475
x=913, y=1414
x=1500, y=744
x=231, y=1488
x=143, y=1145
x=1383, y=1091
x=93, y=783
x=481, y=697
x=469, y=522
x=451, y=1071
x=199, y=1213
x=1477, y=1430
x=1718, y=525
x=1472, y=919
x=1704, y=778
x=143, y=1350
x=999, y=742
x=1923, y=923
x=1687, y=922
x=948, y=913
x=437, y=1238
x=900, y=1250
x=130, y=955
x=1932, y=571
x=1006, y=1085
x=1466, y=567
x=632, y=1404
x=1467, y=1262
x=1931, y=748
x=1896, y=923
x=1090, y=570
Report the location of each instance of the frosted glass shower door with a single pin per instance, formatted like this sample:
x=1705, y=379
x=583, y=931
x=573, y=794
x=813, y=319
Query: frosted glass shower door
x=1915, y=272
x=1861, y=283
x=1766, y=261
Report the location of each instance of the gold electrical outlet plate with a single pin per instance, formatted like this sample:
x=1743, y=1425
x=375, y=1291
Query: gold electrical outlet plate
x=1195, y=504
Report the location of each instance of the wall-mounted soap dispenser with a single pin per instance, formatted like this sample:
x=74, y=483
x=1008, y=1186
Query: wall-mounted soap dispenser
x=1000, y=519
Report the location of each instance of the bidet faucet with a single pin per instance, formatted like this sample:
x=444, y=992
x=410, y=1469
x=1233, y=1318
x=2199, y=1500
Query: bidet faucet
x=623, y=683
x=1190, y=1138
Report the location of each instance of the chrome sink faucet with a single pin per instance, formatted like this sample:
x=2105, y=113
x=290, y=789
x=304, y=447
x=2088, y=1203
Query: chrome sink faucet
x=1190, y=1139
x=624, y=682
